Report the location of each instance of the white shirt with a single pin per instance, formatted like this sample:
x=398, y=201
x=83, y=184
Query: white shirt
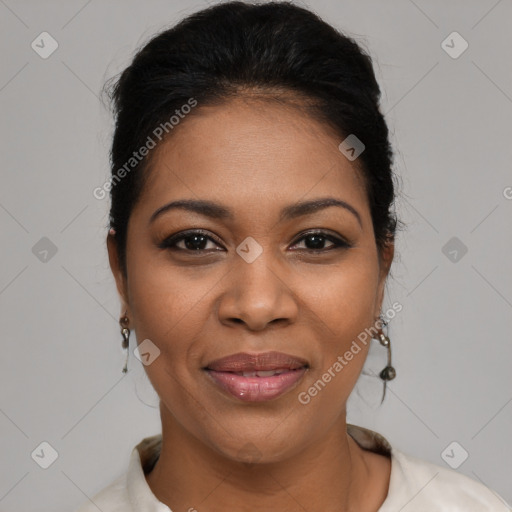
x=415, y=485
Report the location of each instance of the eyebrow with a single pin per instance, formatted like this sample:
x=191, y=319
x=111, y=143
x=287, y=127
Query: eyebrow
x=218, y=211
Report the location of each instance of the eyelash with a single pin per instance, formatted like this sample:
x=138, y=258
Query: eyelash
x=170, y=242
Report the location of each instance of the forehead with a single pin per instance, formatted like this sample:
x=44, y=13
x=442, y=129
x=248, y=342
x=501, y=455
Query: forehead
x=251, y=155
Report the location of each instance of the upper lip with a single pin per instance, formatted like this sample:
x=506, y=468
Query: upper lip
x=242, y=362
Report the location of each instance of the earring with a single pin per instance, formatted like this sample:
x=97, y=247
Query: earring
x=125, y=332
x=388, y=373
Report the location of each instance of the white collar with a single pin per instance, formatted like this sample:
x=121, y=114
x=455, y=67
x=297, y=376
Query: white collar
x=415, y=482
x=145, y=454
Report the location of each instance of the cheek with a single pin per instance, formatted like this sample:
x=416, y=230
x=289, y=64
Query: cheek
x=343, y=297
x=346, y=311
x=342, y=308
x=166, y=301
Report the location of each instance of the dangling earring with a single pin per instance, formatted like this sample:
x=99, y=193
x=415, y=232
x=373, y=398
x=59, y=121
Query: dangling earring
x=125, y=332
x=388, y=373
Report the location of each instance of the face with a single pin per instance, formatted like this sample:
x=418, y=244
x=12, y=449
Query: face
x=258, y=278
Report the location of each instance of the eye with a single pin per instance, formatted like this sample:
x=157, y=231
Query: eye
x=315, y=241
x=196, y=241
x=193, y=241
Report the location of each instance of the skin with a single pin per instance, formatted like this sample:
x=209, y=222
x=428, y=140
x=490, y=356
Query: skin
x=255, y=158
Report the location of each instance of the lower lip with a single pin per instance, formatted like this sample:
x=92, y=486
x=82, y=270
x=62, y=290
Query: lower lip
x=256, y=389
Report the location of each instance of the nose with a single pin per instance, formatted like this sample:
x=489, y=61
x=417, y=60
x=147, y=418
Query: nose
x=258, y=294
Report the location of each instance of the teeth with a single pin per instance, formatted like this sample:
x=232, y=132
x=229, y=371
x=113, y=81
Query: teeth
x=261, y=373
x=268, y=373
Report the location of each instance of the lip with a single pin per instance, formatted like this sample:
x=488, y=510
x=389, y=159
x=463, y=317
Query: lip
x=225, y=373
x=265, y=361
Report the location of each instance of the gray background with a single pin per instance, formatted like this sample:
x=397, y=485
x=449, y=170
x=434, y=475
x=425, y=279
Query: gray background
x=60, y=369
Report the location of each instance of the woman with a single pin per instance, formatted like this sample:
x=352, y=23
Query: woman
x=252, y=232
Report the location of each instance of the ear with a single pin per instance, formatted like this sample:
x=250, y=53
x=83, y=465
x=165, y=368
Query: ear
x=120, y=279
x=386, y=258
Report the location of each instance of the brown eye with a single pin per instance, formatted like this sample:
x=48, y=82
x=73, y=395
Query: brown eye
x=197, y=241
x=193, y=241
x=315, y=241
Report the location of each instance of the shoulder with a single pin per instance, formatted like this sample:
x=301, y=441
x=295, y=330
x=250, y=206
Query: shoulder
x=130, y=491
x=112, y=498
x=419, y=485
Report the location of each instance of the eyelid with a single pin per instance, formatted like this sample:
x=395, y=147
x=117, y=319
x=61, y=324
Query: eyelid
x=334, y=238
x=338, y=241
x=177, y=237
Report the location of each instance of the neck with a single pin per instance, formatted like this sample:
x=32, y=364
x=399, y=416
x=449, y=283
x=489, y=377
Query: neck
x=330, y=474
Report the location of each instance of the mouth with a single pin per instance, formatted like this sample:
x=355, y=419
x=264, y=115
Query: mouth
x=256, y=377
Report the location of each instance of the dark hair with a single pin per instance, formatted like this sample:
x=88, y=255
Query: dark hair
x=228, y=49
